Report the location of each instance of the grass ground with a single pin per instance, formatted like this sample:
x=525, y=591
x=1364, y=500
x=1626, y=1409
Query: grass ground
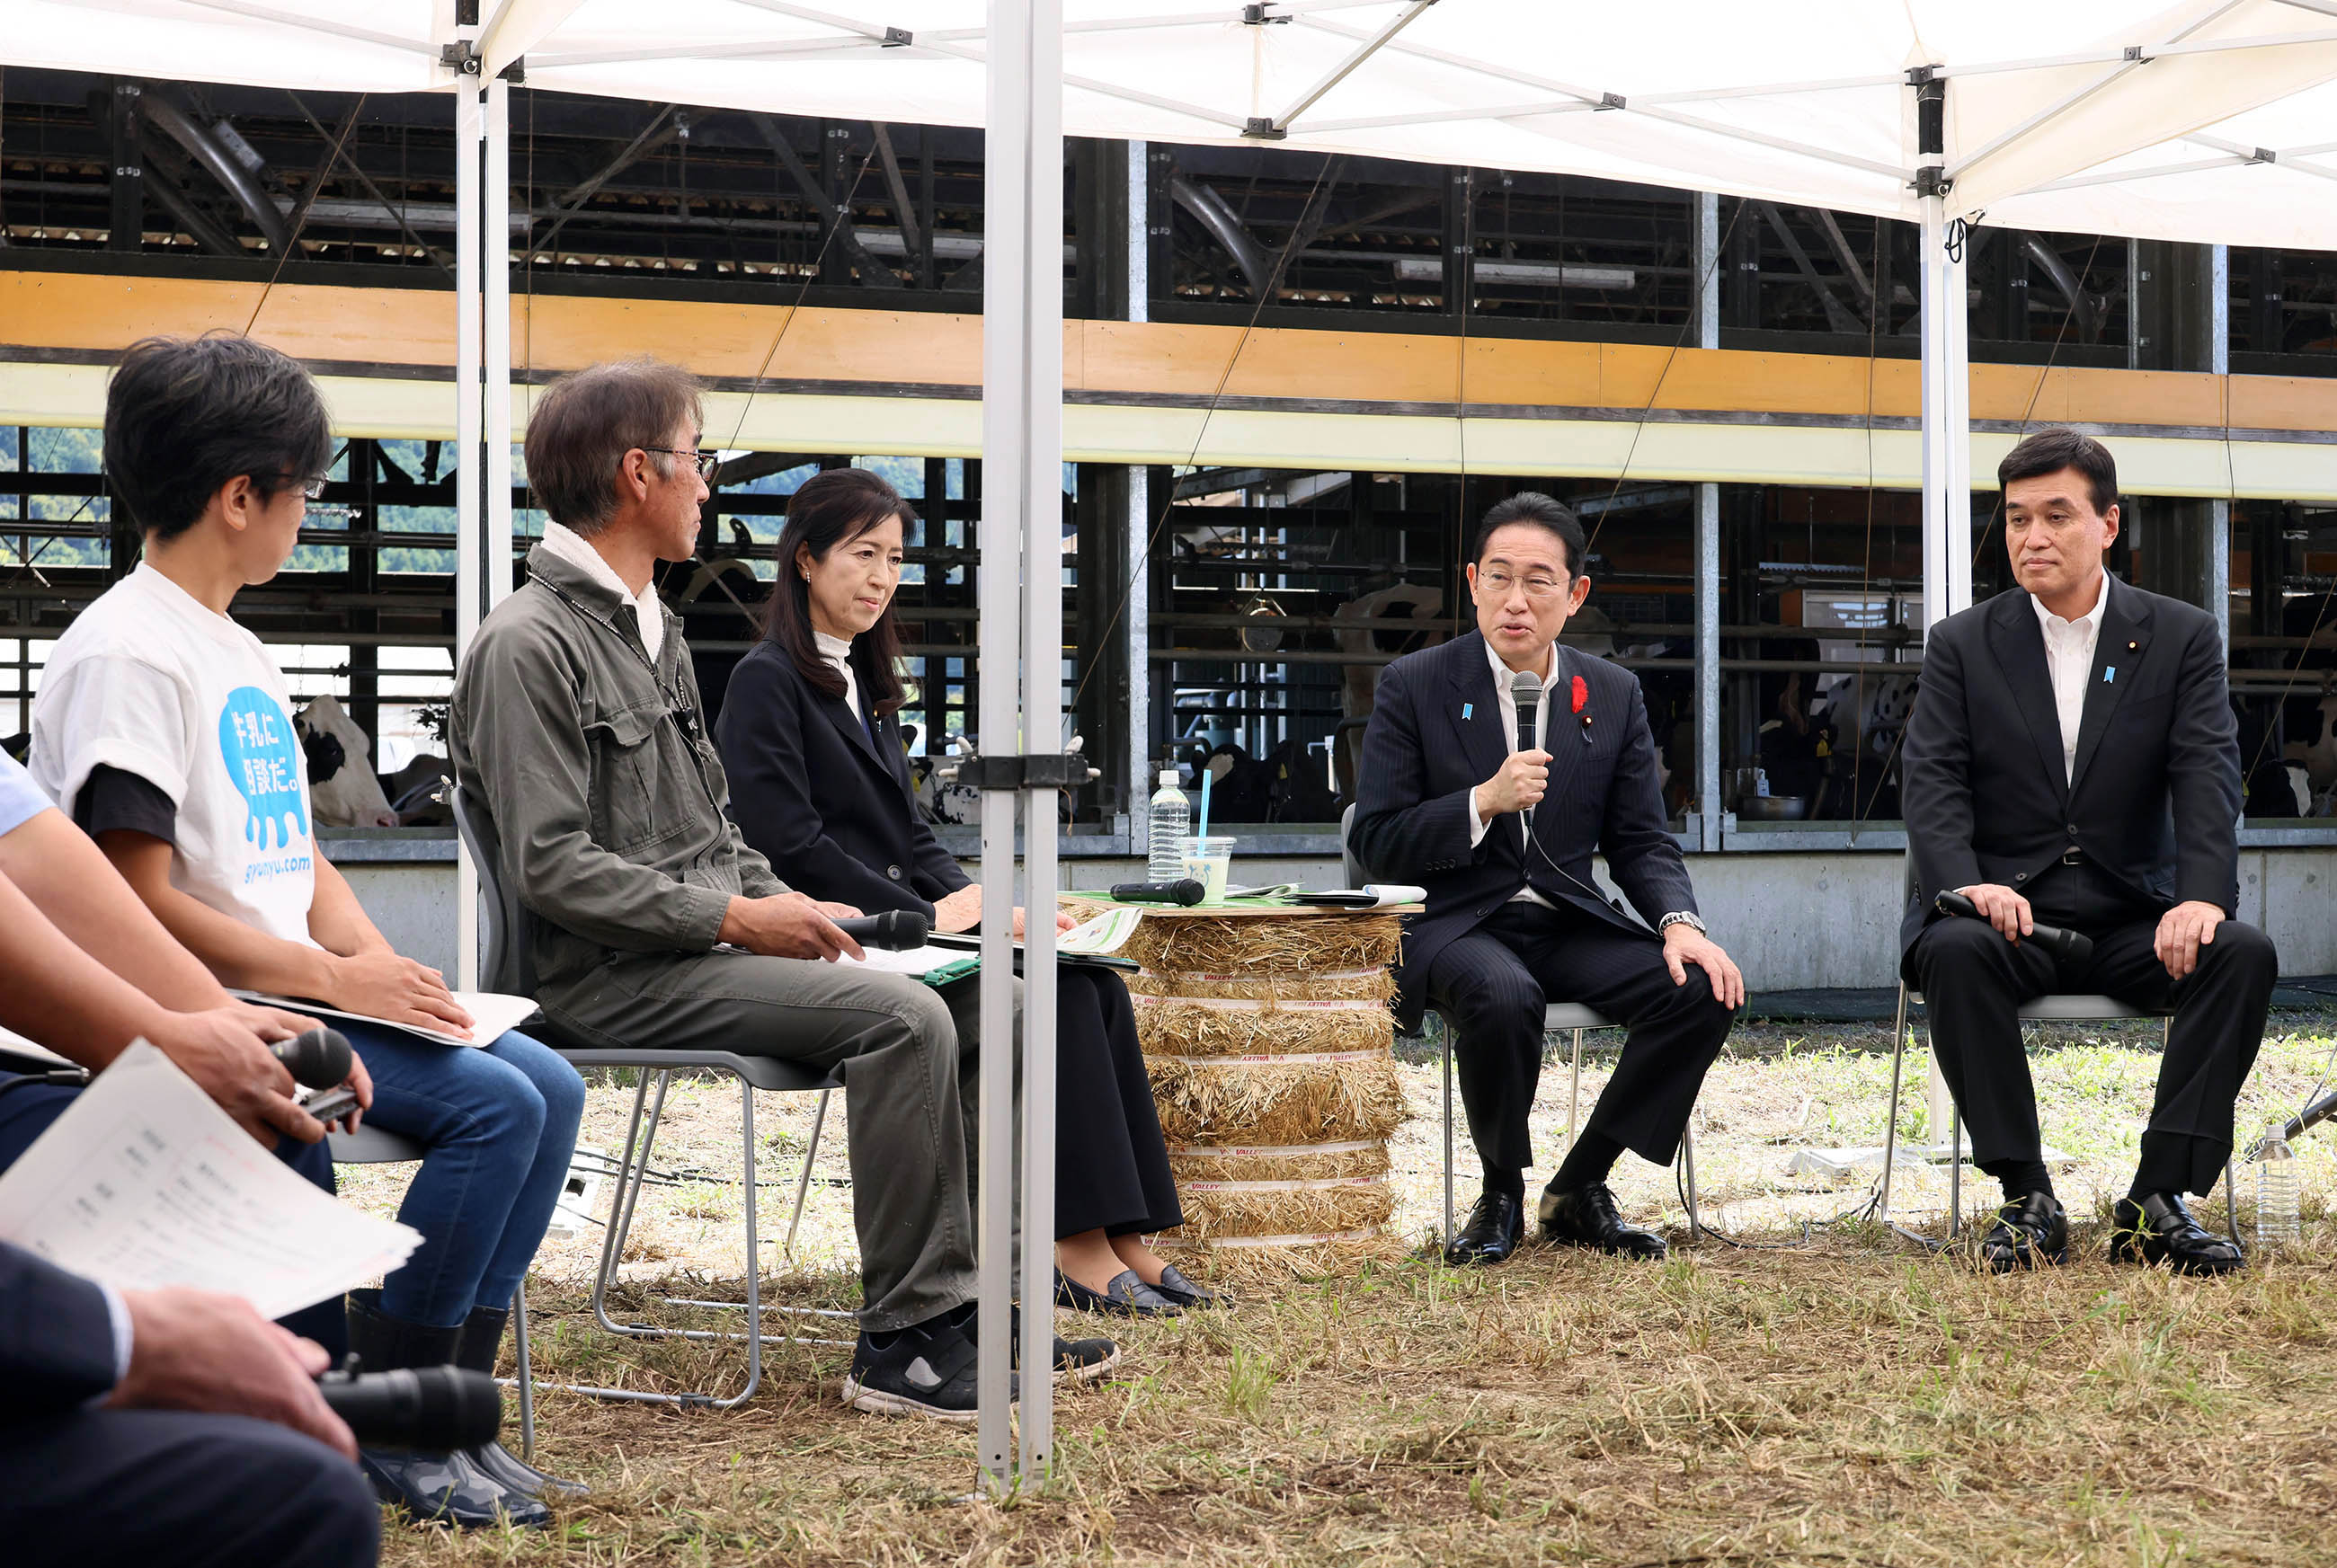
x=1842, y=1398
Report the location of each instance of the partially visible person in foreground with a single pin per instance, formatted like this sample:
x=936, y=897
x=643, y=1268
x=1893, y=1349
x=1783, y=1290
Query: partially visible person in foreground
x=2072, y=759
x=166, y=1429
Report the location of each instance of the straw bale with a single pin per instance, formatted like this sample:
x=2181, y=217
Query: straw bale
x=1190, y=1029
x=1204, y=1102
x=1285, y=944
x=1288, y=1163
x=1212, y=1211
x=1371, y=985
x=1264, y=1267
x=1083, y=910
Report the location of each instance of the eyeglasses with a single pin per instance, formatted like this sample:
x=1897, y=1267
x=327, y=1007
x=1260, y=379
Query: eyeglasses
x=707, y=461
x=1494, y=581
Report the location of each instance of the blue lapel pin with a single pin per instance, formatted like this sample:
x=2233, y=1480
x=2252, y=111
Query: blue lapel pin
x=1466, y=708
x=2109, y=674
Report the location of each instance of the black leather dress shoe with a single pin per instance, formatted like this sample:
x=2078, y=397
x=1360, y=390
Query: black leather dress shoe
x=1585, y=1217
x=2033, y=1233
x=2160, y=1229
x=1492, y=1232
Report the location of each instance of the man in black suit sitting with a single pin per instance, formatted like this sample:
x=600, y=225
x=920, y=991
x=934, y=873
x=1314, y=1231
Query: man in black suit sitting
x=2072, y=760
x=1502, y=837
x=169, y=1429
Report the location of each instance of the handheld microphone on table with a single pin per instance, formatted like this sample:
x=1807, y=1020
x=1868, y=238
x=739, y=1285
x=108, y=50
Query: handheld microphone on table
x=2069, y=947
x=320, y=1059
x=427, y=1407
x=899, y=930
x=1184, y=890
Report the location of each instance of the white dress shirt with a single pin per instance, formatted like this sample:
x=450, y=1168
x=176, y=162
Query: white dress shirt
x=2069, y=661
x=1507, y=701
x=577, y=550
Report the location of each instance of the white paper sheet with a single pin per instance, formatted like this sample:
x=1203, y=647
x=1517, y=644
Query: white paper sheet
x=914, y=962
x=493, y=1015
x=1106, y=933
x=144, y=1183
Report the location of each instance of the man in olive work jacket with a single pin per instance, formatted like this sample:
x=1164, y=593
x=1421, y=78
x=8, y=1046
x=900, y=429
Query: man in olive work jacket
x=576, y=722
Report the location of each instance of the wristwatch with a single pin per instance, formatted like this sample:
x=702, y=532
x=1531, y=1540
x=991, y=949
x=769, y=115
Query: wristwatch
x=1681, y=918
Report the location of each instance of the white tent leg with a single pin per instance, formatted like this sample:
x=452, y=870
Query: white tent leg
x=469, y=129
x=1947, y=421
x=1021, y=538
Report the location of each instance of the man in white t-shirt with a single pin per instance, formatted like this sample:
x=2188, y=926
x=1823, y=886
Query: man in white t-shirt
x=164, y=730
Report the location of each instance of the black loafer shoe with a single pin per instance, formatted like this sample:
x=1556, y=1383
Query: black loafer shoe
x=2033, y=1233
x=1183, y=1293
x=1125, y=1296
x=2160, y=1229
x=1495, y=1227
x=1585, y=1217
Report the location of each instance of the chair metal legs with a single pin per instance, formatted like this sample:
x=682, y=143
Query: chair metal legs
x=1444, y=1034
x=1574, y=1100
x=802, y=1183
x=526, y=1378
x=1890, y=1125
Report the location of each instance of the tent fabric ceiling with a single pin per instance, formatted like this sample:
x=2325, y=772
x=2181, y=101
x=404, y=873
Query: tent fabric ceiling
x=2209, y=120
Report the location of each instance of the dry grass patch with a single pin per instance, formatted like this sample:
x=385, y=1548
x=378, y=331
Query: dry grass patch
x=1849, y=1401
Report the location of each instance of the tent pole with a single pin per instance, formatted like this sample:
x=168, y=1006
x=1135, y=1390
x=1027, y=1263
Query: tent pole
x=1708, y=549
x=470, y=483
x=494, y=291
x=1021, y=536
x=1946, y=436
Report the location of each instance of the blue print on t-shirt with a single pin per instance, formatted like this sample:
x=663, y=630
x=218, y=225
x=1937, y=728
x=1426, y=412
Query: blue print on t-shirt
x=263, y=759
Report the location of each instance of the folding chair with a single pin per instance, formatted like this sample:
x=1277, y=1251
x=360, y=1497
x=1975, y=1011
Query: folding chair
x=1570, y=1016
x=2054, y=1008
x=505, y=967
x=370, y=1146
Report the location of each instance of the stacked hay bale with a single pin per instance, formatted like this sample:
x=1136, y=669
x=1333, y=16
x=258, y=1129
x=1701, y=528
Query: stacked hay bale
x=1268, y=1038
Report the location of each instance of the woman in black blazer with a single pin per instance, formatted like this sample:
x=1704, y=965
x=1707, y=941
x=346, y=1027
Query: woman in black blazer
x=819, y=783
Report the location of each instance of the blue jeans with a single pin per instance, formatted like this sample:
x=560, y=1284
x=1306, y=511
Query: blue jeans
x=500, y=1124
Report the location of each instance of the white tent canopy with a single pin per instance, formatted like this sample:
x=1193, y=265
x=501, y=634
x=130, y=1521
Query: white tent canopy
x=2213, y=119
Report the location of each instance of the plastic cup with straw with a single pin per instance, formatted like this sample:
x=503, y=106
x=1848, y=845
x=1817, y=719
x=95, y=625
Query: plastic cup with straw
x=1208, y=860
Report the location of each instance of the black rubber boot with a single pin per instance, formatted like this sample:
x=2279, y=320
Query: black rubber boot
x=476, y=1345
x=437, y=1488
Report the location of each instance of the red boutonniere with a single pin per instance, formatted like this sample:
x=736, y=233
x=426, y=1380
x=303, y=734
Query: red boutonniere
x=1581, y=705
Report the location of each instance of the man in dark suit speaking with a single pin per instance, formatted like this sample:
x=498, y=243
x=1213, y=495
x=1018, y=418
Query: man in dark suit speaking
x=2072, y=761
x=1501, y=835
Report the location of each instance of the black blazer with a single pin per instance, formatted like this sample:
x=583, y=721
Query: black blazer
x=828, y=807
x=1421, y=757
x=2156, y=791
x=56, y=1338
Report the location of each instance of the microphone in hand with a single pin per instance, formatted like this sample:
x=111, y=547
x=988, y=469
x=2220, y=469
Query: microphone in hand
x=898, y=929
x=320, y=1059
x=2069, y=947
x=433, y=1408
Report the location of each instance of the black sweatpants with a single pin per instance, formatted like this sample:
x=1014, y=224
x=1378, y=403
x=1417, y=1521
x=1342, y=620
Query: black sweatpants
x=1973, y=982
x=1493, y=986
x=170, y=1489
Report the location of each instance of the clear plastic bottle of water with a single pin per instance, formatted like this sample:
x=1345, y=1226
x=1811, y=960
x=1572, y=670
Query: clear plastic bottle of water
x=1172, y=819
x=2275, y=1189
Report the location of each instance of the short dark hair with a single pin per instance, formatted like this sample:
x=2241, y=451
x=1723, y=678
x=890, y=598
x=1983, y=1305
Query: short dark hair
x=1532, y=506
x=833, y=507
x=2051, y=451
x=184, y=415
x=584, y=423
